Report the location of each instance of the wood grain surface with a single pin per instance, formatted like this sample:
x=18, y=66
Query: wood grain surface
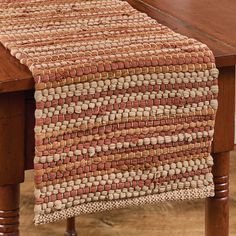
x=215, y=18
x=13, y=75
x=171, y=218
x=209, y=21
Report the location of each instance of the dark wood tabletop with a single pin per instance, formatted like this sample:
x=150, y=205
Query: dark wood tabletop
x=211, y=24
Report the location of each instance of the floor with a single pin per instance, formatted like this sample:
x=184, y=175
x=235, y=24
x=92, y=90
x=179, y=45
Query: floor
x=171, y=218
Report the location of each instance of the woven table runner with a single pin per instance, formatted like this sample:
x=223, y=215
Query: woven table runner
x=125, y=107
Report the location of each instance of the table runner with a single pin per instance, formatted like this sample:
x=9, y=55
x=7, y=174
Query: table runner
x=125, y=107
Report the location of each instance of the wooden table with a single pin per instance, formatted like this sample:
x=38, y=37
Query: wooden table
x=212, y=22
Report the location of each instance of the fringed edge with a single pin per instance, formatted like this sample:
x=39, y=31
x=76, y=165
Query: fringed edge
x=183, y=194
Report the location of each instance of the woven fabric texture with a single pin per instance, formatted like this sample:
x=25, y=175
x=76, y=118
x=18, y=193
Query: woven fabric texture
x=125, y=107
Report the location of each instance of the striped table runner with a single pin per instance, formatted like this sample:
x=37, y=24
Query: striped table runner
x=125, y=107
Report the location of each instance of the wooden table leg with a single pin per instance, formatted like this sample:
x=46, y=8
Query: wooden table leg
x=217, y=207
x=70, y=227
x=12, y=136
x=9, y=210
